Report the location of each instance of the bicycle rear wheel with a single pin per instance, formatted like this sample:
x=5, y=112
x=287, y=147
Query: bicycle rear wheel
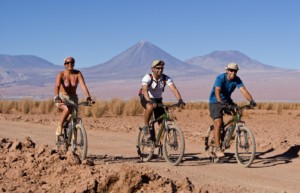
x=79, y=142
x=245, y=146
x=174, y=145
x=145, y=145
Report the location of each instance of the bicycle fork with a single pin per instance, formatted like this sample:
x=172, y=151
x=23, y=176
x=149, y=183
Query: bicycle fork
x=138, y=147
x=245, y=144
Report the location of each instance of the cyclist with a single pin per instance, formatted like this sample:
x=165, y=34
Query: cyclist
x=224, y=85
x=152, y=87
x=65, y=90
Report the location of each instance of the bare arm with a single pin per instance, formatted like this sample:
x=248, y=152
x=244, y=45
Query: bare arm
x=245, y=93
x=145, y=92
x=218, y=94
x=57, y=84
x=175, y=91
x=83, y=85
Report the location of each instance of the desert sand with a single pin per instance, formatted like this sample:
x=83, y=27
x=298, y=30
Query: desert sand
x=30, y=161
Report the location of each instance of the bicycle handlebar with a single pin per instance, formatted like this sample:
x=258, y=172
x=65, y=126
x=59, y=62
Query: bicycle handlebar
x=167, y=106
x=236, y=107
x=84, y=103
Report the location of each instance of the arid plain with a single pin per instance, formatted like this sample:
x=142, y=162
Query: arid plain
x=30, y=162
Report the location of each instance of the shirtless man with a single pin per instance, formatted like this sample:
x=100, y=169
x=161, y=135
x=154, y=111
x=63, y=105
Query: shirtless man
x=65, y=90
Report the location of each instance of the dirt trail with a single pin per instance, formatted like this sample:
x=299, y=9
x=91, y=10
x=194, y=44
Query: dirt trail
x=273, y=170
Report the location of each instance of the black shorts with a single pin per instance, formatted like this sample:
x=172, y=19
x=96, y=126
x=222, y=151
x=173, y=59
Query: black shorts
x=216, y=111
x=158, y=111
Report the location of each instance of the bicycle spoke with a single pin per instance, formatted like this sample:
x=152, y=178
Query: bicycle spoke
x=174, y=146
x=245, y=147
x=79, y=142
x=145, y=146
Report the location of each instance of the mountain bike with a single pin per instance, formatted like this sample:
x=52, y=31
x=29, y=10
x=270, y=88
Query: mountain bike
x=73, y=133
x=234, y=129
x=169, y=139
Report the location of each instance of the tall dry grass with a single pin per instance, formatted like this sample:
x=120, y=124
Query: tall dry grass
x=116, y=107
x=99, y=108
x=133, y=107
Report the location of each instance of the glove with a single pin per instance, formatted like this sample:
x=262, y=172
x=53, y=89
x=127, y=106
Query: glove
x=253, y=103
x=89, y=100
x=57, y=99
x=181, y=103
x=222, y=104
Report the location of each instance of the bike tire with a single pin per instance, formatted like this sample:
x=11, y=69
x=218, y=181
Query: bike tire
x=79, y=143
x=145, y=146
x=209, y=142
x=174, y=146
x=245, y=146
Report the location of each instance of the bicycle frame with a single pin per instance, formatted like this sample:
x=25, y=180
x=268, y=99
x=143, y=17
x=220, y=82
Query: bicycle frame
x=74, y=132
x=235, y=119
x=169, y=139
x=244, y=141
x=73, y=120
x=164, y=125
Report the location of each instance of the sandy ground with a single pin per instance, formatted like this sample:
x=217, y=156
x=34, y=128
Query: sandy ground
x=30, y=162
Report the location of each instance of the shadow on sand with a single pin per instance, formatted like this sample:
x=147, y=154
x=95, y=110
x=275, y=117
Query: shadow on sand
x=193, y=159
x=283, y=158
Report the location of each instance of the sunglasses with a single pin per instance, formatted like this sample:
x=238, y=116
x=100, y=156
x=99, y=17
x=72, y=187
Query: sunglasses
x=71, y=62
x=232, y=70
x=159, y=68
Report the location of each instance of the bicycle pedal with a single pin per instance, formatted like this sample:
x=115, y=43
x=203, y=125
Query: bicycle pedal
x=59, y=143
x=59, y=140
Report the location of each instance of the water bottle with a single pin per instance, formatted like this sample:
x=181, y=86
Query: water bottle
x=228, y=137
x=68, y=131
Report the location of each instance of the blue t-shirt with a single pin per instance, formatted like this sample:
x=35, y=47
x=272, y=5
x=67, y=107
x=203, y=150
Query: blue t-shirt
x=227, y=87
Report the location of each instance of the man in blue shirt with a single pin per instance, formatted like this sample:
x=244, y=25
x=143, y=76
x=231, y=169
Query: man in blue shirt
x=224, y=85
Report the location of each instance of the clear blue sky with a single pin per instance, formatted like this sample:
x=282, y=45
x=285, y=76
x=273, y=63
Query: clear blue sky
x=95, y=31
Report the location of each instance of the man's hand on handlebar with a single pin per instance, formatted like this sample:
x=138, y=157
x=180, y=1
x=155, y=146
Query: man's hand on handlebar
x=222, y=104
x=252, y=103
x=181, y=103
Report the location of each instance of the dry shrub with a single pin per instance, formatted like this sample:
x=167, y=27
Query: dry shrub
x=35, y=107
x=196, y=105
x=116, y=106
x=269, y=106
x=26, y=105
x=259, y=106
x=47, y=106
x=87, y=112
x=278, y=106
x=133, y=107
x=6, y=106
x=42, y=108
x=99, y=108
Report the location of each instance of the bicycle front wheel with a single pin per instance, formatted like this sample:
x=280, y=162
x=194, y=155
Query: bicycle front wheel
x=79, y=142
x=145, y=145
x=174, y=145
x=245, y=146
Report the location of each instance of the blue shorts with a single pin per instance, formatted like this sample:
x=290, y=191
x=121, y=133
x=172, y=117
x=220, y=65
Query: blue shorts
x=216, y=111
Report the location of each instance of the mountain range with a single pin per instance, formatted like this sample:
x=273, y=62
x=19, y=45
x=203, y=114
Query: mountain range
x=32, y=76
